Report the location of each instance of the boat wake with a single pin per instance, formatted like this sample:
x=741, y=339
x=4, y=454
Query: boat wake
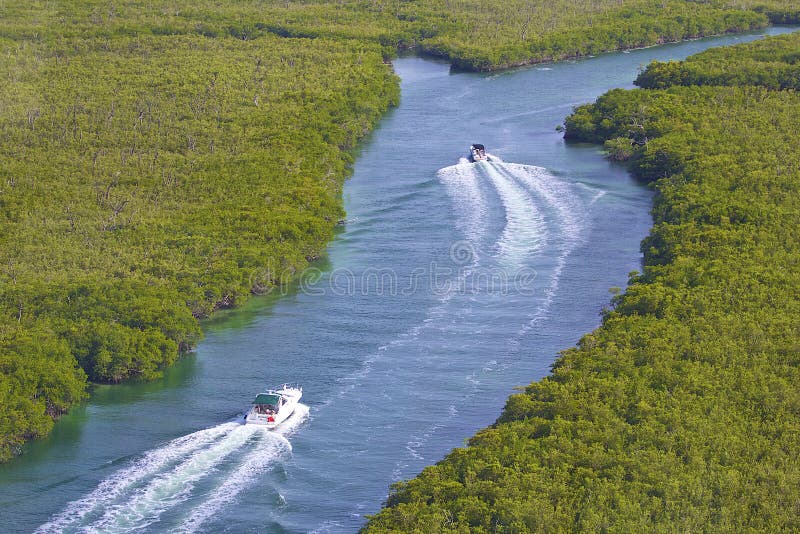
x=541, y=213
x=517, y=217
x=510, y=219
x=469, y=200
x=525, y=233
x=205, y=470
x=567, y=207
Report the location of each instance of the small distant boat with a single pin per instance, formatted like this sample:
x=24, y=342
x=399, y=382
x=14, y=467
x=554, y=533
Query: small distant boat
x=273, y=407
x=477, y=152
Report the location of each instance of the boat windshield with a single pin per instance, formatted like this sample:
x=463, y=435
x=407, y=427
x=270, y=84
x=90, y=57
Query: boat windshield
x=267, y=398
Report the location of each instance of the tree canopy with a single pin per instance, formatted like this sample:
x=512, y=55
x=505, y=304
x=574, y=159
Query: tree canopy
x=772, y=63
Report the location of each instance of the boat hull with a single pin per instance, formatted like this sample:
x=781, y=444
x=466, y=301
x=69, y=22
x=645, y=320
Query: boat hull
x=291, y=398
x=477, y=152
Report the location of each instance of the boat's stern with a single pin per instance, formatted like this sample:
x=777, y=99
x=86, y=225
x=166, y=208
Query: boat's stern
x=477, y=152
x=260, y=419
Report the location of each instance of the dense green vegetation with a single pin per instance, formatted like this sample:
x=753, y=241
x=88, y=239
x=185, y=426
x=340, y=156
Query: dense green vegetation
x=492, y=34
x=772, y=63
x=681, y=412
x=146, y=180
x=163, y=159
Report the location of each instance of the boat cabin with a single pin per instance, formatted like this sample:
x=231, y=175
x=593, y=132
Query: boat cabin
x=268, y=403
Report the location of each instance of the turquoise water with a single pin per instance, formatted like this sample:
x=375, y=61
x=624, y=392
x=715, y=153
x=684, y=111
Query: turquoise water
x=451, y=284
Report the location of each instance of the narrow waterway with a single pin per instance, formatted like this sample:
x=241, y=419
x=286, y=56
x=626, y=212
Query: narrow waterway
x=450, y=284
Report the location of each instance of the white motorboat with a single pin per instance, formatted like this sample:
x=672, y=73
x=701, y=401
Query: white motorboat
x=477, y=152
x=273, y=407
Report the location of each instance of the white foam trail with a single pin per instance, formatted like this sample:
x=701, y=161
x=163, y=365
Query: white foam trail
x=463, y=187
x=173, y=487
x=560, y=195
x=136, y=496
x=273, y=447
x=525, y=232
x=121, y=481
x=597, y=196
x=570, y=209
x=571, y=229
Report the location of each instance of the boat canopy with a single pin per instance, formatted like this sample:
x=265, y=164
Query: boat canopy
x=478, y=146
x=267, y=398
